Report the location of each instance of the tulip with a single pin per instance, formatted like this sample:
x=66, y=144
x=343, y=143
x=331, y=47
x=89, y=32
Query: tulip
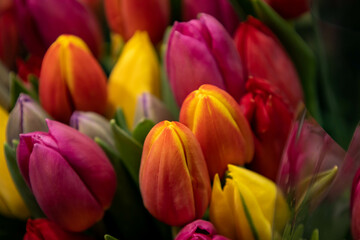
x=199, y=229
x=125, y=17
x=69, y=175
x=174, y=181
x=263, y=57
x=9, y=35
x=43, y=229
x=220, y=9
x=270, y=119
x=289, y=9
x=137, y=71
x=71, y=79
x=31, y=66
x=42, y=22
x=11, y=203
x=216, y=120
x=355, y=206
x=245, y=207
x=202, y=52
x=27, y=116
x=150, y=107
x=92, y=125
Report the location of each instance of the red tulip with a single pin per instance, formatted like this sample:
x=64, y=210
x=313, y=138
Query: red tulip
x=263, y=57
x=43, y=229
x=125, y=17
x=270, y=119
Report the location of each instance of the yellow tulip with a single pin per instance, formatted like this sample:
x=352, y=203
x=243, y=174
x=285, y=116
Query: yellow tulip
x=244, y=209
x=137, y=71
x=11, y=203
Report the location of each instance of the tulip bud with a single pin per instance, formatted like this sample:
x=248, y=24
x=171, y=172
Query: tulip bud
x=263, y=56
x=27, y=116
x=9, y=36
x=69, y=174
x=244, y=208
x=220, y=9
x=216, y=120
x=137, y=71
x=42, y=22
x=125, y=17
x=92, y=125
x=71, y=79
x=270, y=119
x=289, y=9
x=355, y=206
x=150, y=107
x=199, y=52
x=174, y=181
x=199, y=229
x=11, y=203
x=43, y=229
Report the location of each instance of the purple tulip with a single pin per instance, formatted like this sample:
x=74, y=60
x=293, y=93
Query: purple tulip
x=220, y=9
x=202, y=52
x=27, y=116
x=201, y=230
x=70, y=176
x=41, y=22
x=150, y=107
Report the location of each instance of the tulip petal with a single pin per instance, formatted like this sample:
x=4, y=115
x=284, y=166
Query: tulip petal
x=60, y=192
x=53, y=92
x=87, y=159
x=198, y=65
x=162, y=198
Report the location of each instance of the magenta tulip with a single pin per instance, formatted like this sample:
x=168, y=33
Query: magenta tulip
x=202, y=52
x=199, y=229
x=69, y=174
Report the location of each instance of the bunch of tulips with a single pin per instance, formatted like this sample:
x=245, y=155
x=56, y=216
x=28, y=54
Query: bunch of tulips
x=181, y=119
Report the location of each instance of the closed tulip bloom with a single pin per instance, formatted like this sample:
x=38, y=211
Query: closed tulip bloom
x=42, y=22
x=125, y=17
x=71, y=79
x=264, y=57
x=69, y=175
x=223, y=132
x=11, y=203
x=202, y=52
x=289, y=9
x=92, y=125
x=199, y=229
x=244, y=208
x=9, y=35
x=174, y=181
x=270, y=119
x=27, y=116
x=150, y=107
x=43, y=229
x=220, y=9
x=137, y=71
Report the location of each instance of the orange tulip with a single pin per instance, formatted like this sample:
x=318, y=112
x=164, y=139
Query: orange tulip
x=223, y=132
x=71, y=79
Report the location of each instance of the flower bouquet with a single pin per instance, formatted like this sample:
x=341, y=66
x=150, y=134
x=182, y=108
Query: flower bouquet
x=179, y=119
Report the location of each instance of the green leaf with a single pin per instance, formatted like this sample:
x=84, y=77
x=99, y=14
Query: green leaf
x=129, y=150
x=110, y=153
x=17, y=87
x=248, y=217
x=299, y=231
x=300, y=53
x=108, y=237
x=142, y=129
x=25, y=192
x=34, y=81
x=120, y=120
